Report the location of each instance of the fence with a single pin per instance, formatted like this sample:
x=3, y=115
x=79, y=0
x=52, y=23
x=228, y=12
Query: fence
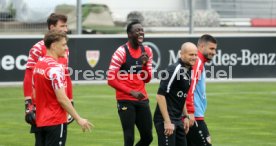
x=108, y=17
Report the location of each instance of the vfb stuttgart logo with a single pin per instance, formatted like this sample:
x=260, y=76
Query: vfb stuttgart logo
x=92, y=57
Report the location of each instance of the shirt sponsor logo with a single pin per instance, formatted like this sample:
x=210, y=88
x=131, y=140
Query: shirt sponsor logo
x=180, y=94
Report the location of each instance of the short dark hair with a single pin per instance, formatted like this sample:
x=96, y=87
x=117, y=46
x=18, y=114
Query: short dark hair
x=206, y=38
x=54, y=18
x=53, y=36
x=129, y=26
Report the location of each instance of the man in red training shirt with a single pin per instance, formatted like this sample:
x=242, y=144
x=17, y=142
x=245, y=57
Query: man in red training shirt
x=197, y=98
x=129, y=70
x=52, y=104
x=54, y=22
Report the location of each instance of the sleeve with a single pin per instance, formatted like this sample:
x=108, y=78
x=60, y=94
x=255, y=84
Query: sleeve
x=57, y=77
x=148, y=66
x=167, y=79
x=27, y=83
x=34, y=54
x=196, y=72
x=118, y=58
x=190, y=99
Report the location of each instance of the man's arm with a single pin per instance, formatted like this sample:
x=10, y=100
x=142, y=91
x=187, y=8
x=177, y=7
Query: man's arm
x=27, y=84
x=66, y=105
x=118, y=58
x=148, y=65
x=194, y=80
x=186, y=119
x=34, y=54
x=69, y=94
x=196, y=74
x=189, y=105
x=57, y=78
x=168, y=126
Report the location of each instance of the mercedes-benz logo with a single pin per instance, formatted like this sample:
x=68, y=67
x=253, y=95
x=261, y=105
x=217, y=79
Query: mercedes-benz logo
x=156, y=54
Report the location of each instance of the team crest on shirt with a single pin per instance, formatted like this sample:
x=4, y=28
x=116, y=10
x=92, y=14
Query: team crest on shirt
x=92, y=57
x=124, y=108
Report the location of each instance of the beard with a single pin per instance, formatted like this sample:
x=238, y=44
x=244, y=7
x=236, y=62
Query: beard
x=207, y=56
x=136, y=42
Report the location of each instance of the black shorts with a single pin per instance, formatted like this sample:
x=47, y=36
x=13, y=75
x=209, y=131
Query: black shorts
x=198, y=135
x=51, y=135
x=178, y=137
x=34, y=129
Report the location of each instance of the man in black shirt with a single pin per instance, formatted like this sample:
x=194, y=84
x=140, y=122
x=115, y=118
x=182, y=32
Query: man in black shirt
x=171, y=97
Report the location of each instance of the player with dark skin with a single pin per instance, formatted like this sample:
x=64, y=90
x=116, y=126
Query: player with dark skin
x=134, y=61
x=136, y=39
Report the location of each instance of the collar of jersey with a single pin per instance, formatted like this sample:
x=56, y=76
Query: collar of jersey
x=201, y=57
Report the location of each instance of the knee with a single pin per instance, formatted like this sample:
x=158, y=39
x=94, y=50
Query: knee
x=150, y=139
x=147, y=139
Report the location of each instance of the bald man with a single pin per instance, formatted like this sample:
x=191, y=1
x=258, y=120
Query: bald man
x=171, y=97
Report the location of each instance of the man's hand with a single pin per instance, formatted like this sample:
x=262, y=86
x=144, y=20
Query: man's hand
x=144, y=58
x=186, y=124
x=137, y=94
x=192, y=119
x=30, y=111
x=169, y=128
x=85, y=124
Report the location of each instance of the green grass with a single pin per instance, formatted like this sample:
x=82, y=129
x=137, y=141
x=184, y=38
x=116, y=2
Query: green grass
x=238, y=114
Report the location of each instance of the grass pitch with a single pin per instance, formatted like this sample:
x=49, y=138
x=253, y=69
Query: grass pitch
x=238, y=114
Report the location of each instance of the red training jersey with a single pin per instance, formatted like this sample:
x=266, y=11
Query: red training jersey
x=48, y=75
x=134, y=82
x=197, y=70
x=36, y=52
